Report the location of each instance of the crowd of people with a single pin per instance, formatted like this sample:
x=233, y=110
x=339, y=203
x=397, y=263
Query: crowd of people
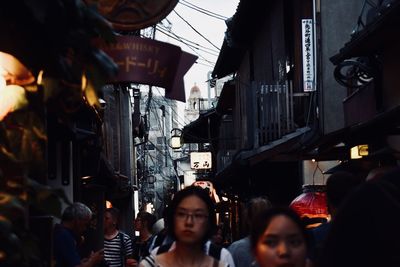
x=363, y=231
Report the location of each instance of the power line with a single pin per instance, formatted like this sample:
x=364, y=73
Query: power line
x=207, y=65
x=167, y=111
x=191, y=48
x=180, y=39
x=202, y=10
x=185, y=39
x=196, y=30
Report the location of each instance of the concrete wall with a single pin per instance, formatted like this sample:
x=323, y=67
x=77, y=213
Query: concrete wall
x=338, y=19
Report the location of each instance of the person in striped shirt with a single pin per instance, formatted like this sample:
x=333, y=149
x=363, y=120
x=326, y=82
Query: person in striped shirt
x=117, y=245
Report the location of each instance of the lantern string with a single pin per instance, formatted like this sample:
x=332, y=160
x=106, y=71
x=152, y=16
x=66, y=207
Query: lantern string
x=315, y=170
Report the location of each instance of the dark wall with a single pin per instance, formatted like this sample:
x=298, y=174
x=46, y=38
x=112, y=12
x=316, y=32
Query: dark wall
x=281, y=182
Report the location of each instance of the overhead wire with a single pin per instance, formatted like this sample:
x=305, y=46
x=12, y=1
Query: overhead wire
x=202, y=10
x=167, y=111
x=190, y=25
x=186, y=41
x=177, y=38
x=191, y=48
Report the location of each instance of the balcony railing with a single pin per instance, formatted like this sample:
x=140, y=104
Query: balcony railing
x=274, y=112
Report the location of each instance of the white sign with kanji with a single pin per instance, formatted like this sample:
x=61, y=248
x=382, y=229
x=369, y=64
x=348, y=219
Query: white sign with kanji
x=200, y=160
x=308, y=55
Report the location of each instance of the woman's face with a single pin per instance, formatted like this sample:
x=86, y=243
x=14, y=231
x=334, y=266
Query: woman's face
x=281, y=245
x=191, y=220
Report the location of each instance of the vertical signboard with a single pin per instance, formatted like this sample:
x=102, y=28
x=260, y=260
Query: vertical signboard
x=308, y=55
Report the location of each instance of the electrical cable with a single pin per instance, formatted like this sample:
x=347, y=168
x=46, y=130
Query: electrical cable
x=179, y=39
x=202, y=10
x=186, y=41
x=191, y=48
x=190, y=25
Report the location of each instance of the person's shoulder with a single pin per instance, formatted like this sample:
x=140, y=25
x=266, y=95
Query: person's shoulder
x=226, y=257
x=239, y=243
x=125, y=235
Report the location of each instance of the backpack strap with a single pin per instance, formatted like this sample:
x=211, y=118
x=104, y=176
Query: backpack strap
x=215, y=251
x=150, y=260
x=122, y=248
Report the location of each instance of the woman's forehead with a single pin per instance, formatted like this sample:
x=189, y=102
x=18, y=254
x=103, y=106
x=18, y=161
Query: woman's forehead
x=192, y=202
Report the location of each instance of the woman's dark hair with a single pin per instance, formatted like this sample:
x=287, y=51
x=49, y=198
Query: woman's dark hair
x=262, y=221
x=148, y=219
x=187, y=192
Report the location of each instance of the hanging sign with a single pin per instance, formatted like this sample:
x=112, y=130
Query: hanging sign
x=131, y=15
x=308, y=55
x=200, y=160
x=147, y=61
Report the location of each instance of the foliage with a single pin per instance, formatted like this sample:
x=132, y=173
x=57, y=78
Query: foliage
x=56, y=38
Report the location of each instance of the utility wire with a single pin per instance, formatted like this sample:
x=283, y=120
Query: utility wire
x=180, y=124
x=185, y=39
x=204, y=11
x=196, y=30
x=197, y=53
x=181, y=39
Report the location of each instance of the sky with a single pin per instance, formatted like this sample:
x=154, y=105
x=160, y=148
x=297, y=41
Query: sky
x=211, y=28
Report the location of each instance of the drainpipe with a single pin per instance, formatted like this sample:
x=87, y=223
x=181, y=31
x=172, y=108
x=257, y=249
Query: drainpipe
x=319, y=93
x=316, y=8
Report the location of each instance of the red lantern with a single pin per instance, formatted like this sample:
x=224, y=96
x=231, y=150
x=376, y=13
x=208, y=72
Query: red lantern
x=311, y=205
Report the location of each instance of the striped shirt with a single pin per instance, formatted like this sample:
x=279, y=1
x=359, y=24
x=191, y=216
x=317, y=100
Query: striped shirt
x=113, y=253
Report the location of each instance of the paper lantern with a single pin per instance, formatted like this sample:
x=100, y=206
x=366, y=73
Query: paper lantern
x=311, y=205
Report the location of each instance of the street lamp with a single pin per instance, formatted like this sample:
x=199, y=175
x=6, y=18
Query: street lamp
x=176, y=138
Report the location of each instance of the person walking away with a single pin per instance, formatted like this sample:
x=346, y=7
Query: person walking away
x=240, y=249
x=365, y=231
x=68, y=234
x=191, y=221
x=117, y=244
x=143, y=224
x=279, y=238
x=338, y=187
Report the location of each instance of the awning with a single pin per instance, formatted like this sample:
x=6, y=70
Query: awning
x=228, y=60
x=374, y=132
x=242, y=29
x=383, y=29
x=203, y=130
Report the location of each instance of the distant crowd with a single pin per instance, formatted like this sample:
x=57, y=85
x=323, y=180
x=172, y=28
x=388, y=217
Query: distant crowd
x=363, y=230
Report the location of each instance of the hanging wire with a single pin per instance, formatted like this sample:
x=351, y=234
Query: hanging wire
x=315, y=171
x=202, y=10
x=190, y=25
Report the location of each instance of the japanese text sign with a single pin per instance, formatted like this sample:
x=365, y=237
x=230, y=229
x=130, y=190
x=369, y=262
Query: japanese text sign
x=308, y=55
x=200, y=160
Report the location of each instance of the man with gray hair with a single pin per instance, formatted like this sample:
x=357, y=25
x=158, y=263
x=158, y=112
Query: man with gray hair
x=240, y=249
x=67, y=235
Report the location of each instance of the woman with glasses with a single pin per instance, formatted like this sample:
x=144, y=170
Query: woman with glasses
x=191, y=222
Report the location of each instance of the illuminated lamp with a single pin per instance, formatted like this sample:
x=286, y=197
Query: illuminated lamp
x=359, y=151
x=13, y=71
x=13, y=75
x=176, y=138
x=311, y=205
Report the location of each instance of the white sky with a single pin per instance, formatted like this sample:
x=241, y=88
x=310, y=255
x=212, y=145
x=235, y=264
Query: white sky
x=211, y=28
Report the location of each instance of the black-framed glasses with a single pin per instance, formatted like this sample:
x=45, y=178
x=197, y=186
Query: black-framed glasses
x=196, y=217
